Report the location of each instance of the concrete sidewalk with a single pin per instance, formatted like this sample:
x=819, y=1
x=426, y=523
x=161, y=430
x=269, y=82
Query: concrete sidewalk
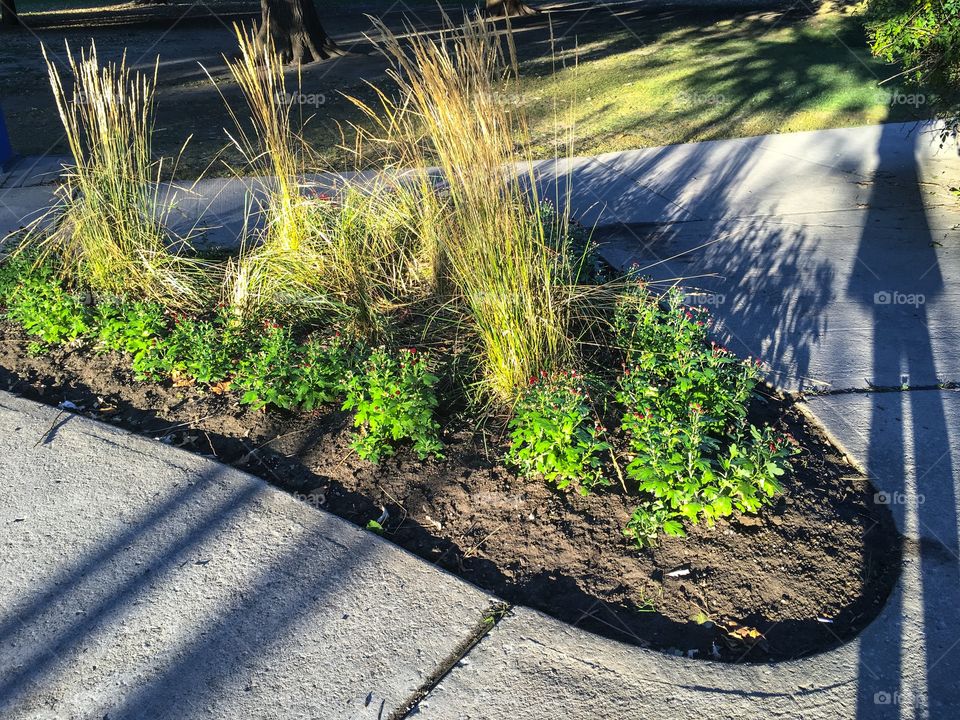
x=770, y=178
x=803, y=246
x=141, y=581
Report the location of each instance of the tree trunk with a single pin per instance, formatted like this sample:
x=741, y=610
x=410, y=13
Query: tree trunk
x=513, y=8
x=8, y=13
x=295, y=29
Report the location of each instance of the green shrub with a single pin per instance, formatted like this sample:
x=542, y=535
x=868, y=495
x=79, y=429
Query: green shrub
x=290, y=376
x=43, y=307
x=554, y=433
x=267, y=375
x=204, y=349
x=324, y=365
x=135, y=328
x=923, y=36
x=686, y=401
x=13, y=270
x=394, y=399
x=669, y=361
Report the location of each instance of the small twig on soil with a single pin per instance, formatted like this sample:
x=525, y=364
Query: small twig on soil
x=616, y=466
x=210, y=443
x=442, y=555
x=50, y=429
x=193, y=423
x=278, y=437
x=252, y=453
x=344, y=458
x=613, y=456
x=470, y=551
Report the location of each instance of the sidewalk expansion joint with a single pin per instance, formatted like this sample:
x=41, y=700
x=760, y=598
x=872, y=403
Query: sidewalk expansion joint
x=807, y=394
x=493, y=615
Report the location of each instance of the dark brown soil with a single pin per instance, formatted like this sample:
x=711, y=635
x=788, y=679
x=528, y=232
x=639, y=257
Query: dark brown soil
x=808, y=573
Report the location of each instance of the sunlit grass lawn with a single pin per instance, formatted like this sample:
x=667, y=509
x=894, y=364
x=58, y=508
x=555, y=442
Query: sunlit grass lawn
x=640, y=78
x=720, y=78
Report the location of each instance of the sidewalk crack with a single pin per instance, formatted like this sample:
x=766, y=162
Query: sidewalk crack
x=489, y=620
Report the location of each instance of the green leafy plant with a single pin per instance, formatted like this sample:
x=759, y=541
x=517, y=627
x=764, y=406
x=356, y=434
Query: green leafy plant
x=268, y=373
x=393, y=399
x=555, y=433
x=374, y=526
x=324, y=364
x=14, y=268
x=692, y=452
x=45, y=308
x=670, y=362
x=204, y=349
x=290, y=376
x=924, y=37
x=650, y=519
x=135, y=328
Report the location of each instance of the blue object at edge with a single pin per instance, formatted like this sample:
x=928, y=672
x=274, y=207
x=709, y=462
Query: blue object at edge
x=6, y=150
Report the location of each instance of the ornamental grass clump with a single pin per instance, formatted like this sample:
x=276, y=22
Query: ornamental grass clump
x=510, y=278
x=347, y=258
x=110, y=234
x=282, y=266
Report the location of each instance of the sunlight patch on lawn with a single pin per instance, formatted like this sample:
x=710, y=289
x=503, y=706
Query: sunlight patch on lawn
x=753, y=75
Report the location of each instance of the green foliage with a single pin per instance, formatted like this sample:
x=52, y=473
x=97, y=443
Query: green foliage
x=204, y=349
x=324, y=365
x=393, y=398
x=135, y=328
x=290, y=376
x=669, y=362
x=924, y=37
x=686, y=404
x=554, y=433
x=649, y=520
x=43, y=307
x=14, y=268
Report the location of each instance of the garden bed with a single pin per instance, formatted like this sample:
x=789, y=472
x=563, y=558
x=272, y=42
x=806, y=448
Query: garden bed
x=449, y=365
x=808, y=572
